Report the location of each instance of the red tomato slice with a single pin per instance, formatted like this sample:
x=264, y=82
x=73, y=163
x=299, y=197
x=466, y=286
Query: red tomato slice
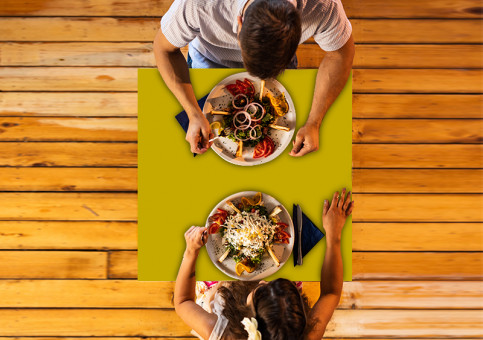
x=251, y=88
x=260, y=149
x=233, y=89
x=283, y=234
x=213, y=228
x=281, y=224
x=270, y=146
x=223, y=213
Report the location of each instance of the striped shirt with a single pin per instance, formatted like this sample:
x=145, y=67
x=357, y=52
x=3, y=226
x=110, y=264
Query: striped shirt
x=210, y=28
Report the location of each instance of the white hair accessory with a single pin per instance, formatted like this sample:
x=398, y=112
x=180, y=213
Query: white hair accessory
x=251, y=326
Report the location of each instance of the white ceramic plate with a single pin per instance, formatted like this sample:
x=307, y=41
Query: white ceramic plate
x=266, y=267
x=219, y=98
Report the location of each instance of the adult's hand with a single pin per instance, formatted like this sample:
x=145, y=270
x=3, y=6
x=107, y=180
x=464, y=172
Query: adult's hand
x=199, y=134
x=335, y=214
x=306, y=140
x=196, y=238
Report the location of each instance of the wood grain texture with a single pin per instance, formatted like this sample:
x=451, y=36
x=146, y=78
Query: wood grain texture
x=353, y=8
x=125, y=104
x=417, y=156
x=68, y=179
x=69, y=206
x=69, y=154
x=68, y=129
x=310, y=55
x=414, y=266
x=417, y=181
x=68, y=104
x=417, y=106
x=149, y=322
x=365, y=266
x=399, y=56
x=139, y=294
x=450, y=131
x=417, y=81
x=144, y=29
x=121, y=264
x=418, y=208
x=125, y=79
x=52, y=265
x=62, y=235
x=417, y=237
x=123, y=207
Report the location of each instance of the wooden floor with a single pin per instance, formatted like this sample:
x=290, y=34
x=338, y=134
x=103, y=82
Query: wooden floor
x=68, y=179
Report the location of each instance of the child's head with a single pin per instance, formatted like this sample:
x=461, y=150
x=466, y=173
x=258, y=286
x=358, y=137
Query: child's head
x=280, y=310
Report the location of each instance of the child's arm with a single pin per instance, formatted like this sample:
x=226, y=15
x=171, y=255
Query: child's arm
x=331, y=279
x=184, y=292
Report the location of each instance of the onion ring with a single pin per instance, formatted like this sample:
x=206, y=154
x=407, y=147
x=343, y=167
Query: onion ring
x=252, y=114
x=254, y=128
x=238, y=96
x=242, y=124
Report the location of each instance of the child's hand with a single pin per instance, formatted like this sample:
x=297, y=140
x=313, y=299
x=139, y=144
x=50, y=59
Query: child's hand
x=196, y=238
x=334, y=216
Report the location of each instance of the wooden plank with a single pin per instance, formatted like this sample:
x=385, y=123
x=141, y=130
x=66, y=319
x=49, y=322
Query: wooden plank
x=417, y=81
x=122, y=264
x=39, y=154
x=125, y=179
x=123, y=207
x=125, y=130
x=68, y=129
x=67, y=235
x=309, y=55
x=365, y=266
x=68, y=179
x=417, y=156
x=149, y=322
x=413, y=31
x=68, y=104
x=430, y=237
x=125, y=79
x=68, y=79
x=417, y=181
x=418, y=208
x=417, y=106
x=125, y=104
x=68, y=206
x=52, y=265
x=353, y=8
x=146, y=294
x=416, y=266
x=397, y=56
x=395, y=131
x=380, y=31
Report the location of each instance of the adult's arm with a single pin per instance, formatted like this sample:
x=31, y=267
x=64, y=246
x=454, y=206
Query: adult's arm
x=184, y=291
x=331, y=277
x=173, y=68
x=331, y=78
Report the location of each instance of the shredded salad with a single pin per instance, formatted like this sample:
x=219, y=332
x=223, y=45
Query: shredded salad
x=248, y=231
x=249, y=117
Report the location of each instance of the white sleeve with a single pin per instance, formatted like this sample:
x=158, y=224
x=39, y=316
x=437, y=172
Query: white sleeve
x=335, y=29
x=180, y=25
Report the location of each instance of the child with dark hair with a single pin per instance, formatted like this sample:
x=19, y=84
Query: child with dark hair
x=261, y=310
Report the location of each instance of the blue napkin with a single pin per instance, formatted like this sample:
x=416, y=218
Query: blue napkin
x=183, y=119
x=311, y=235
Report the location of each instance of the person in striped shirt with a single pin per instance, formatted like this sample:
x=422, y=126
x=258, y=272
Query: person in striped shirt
x=261, y=36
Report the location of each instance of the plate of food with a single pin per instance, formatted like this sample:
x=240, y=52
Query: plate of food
x=253, y=120
x=250, y=235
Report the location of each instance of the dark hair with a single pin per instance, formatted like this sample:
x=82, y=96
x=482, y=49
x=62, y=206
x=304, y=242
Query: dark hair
x=280, y=310
x=235, y=309
x=269, y=37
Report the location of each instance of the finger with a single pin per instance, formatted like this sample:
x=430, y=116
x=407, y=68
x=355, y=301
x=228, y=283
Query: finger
x=335, y=200
x=195, y=144
x=305, y=150
x=206, y=133
x=347, y=201
x=326, y=207
x=188, y=232
x=349, y=211
x=342, y=199
x=297, y=144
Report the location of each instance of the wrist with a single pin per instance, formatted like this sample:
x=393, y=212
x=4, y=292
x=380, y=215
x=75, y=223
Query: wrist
x=194, y=113
x=333, y=239
x=313, y=122
x=191, y=253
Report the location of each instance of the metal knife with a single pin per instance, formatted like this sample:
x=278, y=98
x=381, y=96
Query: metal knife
x=299, y=224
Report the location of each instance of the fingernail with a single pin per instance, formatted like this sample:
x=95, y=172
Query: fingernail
x=325, y=201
